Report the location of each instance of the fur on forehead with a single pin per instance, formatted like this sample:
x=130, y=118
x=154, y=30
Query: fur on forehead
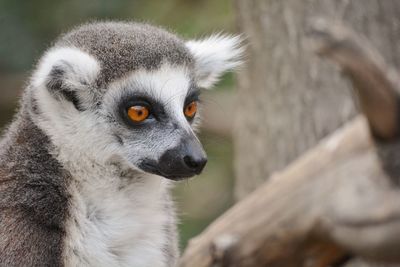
x=168, y=84
x=123, y=47
x=98, y=54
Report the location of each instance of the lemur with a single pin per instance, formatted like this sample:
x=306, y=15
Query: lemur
x=106, y=124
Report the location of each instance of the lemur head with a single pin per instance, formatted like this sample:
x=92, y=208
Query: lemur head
x=129, y=92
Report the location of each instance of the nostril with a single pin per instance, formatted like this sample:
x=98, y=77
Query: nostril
x=195, y=164
x=190, y=162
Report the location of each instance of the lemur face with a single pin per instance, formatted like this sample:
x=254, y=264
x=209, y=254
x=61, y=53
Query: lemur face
x=130, y=93
x=152, y=117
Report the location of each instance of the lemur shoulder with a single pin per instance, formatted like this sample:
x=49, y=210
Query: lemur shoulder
x=105, y=127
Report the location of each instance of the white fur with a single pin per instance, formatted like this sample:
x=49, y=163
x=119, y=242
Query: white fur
x=130, y=232
x=168, y=84
x=85, y=68
x=214, y=56
x=132, y=209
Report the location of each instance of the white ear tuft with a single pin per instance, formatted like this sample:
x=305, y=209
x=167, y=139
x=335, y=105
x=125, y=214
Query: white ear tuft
x=214, y=56
x=67, y=67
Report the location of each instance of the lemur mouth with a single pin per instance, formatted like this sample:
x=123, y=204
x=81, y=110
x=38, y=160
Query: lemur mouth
x=151, y=167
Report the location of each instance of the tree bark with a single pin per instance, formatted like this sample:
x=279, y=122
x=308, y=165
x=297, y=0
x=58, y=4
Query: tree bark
x=288, y=99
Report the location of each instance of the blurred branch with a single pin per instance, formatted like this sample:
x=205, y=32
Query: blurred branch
x=336, y=199
x=375, y=83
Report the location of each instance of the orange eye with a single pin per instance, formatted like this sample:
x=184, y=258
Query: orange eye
x=138, y=113
x=191, y=109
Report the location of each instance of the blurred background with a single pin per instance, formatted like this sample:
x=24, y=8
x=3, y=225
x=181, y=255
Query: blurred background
x=29, y=27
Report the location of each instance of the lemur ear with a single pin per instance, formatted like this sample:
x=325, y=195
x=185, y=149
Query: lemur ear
x=214, y=56
x=65, y=71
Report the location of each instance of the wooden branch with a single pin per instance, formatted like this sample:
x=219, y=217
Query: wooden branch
x=335, y=199
x=368, y=224
x=284, y=222
x=375, y=83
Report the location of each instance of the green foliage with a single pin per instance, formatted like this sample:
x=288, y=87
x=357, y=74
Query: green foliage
x=28, y=26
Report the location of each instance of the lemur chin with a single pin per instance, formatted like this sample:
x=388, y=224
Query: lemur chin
x=109, y=113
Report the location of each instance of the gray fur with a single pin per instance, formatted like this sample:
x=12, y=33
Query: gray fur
x=123, y=47
x=34, y=198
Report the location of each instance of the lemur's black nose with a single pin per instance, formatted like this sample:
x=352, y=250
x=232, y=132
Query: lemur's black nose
x=185, y=160
x=195, y=163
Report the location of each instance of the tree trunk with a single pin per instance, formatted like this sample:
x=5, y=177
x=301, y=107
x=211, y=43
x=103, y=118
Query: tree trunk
x=288, y=98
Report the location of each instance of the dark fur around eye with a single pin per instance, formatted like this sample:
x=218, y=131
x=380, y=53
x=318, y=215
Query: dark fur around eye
x=193, y=95
x=156, y=109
